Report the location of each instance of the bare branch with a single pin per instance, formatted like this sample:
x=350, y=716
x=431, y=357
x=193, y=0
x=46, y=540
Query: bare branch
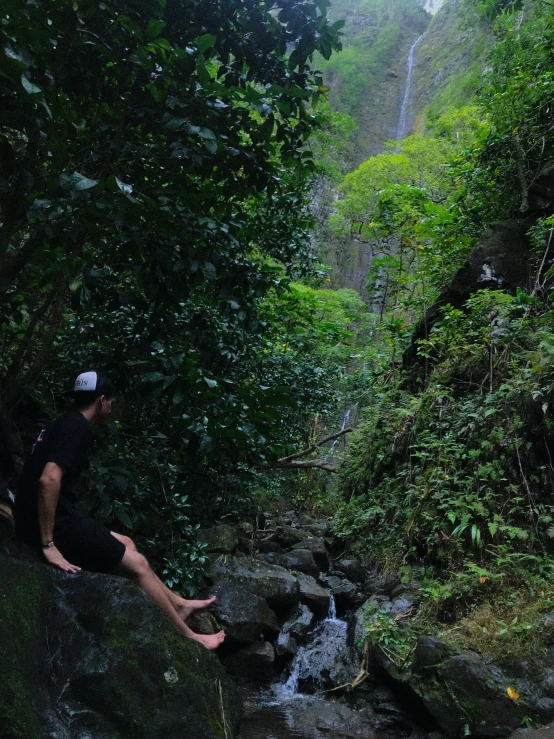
x=314, y=446
x=308, y=463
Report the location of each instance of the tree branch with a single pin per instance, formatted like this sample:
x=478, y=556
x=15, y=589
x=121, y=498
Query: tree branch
x=308, y=463
x=314, y=446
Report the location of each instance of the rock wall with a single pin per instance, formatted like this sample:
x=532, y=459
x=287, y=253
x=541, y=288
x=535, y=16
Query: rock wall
x=88, y=656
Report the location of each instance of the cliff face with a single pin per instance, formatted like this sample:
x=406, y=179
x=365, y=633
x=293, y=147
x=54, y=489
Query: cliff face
x=451, y=59
x=88, y=656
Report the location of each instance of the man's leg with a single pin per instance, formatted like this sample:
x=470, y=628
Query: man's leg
x=135, y=567
x=184, y=607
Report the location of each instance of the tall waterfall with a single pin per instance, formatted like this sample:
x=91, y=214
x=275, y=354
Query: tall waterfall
x=403, y=121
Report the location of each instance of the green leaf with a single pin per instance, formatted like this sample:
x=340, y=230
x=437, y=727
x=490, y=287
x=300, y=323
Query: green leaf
x=205, y=42
x=210, y=383
x=154, y=28
x=29, y=86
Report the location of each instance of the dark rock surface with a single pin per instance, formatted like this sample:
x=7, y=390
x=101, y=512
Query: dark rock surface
x=274, y=584
x=244, y=616
x=255, y=662
x=352, y=569
x=462, y=691
x=222, y=539
x=317, y=547
x=313, y=595
x=89, y=656
x=345, y=592
x=299, y=560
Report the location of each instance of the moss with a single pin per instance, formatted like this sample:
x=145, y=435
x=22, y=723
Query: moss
x=20, y=605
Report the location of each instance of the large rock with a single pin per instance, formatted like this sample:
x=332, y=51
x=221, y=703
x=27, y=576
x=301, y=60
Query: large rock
x=547, y=732
x=465, y=692
x=274, y=584
x=299, y=560
x=89, y=656
x=222, y=539
x=317, y=547
x=345, y=593
x=352, y=569
x=295, y=630
x=313, y=595
x=254, y=663
x=244, y=616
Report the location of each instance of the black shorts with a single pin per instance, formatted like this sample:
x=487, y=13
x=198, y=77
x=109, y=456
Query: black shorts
x=88, y=544
x=81, y=540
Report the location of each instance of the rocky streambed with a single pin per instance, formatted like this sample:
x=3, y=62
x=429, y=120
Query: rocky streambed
x=293, y=609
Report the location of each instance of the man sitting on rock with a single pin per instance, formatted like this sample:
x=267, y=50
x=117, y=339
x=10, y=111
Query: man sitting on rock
x=46, y=517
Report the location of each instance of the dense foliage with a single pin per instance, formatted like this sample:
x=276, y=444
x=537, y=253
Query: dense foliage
x=451, y=470
x=154, y=174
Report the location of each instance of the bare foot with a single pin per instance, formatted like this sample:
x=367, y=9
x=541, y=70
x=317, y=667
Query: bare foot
x=210, y=641
x=188, y=607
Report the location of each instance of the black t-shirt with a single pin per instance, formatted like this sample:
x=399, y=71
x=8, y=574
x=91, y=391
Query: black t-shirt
x=65, y=441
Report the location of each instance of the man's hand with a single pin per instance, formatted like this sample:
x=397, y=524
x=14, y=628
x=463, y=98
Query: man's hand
x=56, y=558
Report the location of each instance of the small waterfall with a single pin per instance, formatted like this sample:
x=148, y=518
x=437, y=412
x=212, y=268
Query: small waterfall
x=332, y=615
x=345, y=420
x=326, y=641
x=403, y=121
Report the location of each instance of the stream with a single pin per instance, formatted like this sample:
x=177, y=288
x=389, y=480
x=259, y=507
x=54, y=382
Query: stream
x=284, y=712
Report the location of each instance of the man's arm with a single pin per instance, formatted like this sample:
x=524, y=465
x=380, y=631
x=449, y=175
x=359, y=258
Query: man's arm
x=48, y=494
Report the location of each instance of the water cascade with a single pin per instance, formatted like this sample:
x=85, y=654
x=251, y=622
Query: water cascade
x=404, y=122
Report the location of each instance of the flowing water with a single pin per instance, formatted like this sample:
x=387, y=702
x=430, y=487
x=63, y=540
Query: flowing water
x=284, y=712
x=404, y=120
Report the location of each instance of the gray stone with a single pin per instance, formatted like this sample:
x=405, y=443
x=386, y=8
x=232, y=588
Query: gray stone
x=244, y=616
x=286, y=645
x=313, y=595
x=222, y=538
x=274, y=584
x=269, y=546
x=352, y=568
x=317, y=547
x=345, y=592
x=299, y=623
x=547, y=732
x=300, y=560
x=286, y=536
x=94, y=651
x=255, y=662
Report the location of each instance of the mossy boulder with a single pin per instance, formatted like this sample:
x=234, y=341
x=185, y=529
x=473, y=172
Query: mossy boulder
x=221, y=539
x=274, y=584
x=89, y=655
x=465, y=693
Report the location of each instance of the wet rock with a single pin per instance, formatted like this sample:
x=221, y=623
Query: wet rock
x=93, y=651
x=345, y=592
x=274, y=584
x=222, y=538
x=244, y=616
x=388, y=584
x=331, y=719
x=286, y=645
x=463, y=691
x=317, y=547
x=352, y=569
x=299, y=623
x=287, y=536
x=269, y=546
x=410, y=590
x=430, y=651
x=327, y=661
x=254, y=663
x=547, y=732
x=300, y=560
x=313, y=595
